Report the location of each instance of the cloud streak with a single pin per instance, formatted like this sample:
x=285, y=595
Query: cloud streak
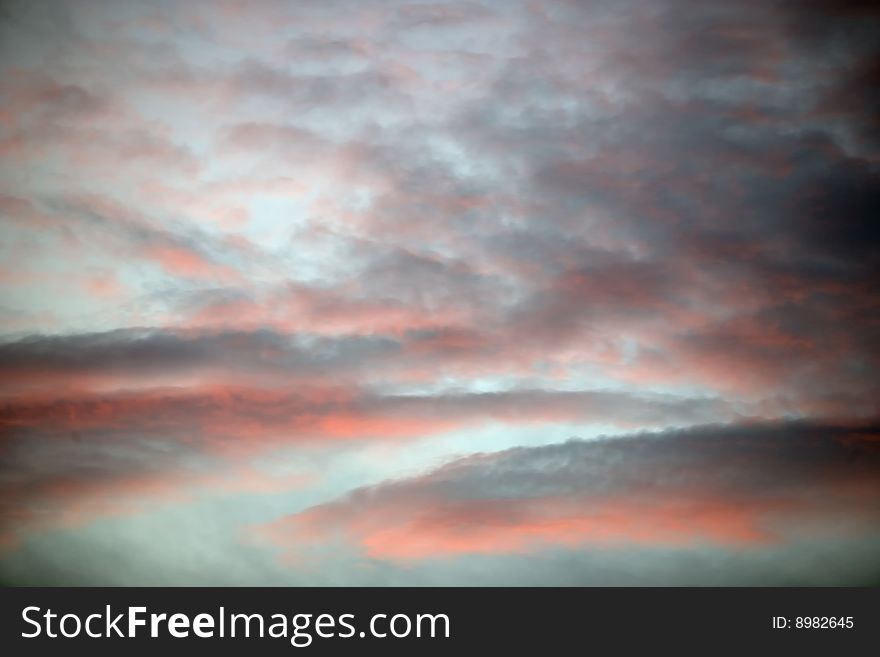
x=713, y=488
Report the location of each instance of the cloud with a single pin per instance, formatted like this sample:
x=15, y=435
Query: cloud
x=70, y=484
x=236, y=417
x=724, y=488
x=271, y=229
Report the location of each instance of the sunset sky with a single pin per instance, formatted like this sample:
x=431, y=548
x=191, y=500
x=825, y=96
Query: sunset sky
x=384, y=292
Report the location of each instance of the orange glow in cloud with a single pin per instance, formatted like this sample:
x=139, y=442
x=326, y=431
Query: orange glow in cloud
x=105, y=287
x=400, y=532
x=188, y=264
x=222, y=418
x=319, y=311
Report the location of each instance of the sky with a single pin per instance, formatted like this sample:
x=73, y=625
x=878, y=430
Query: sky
x=362, y=292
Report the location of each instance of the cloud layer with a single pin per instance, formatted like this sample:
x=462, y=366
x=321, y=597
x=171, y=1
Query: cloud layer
x=256, y=255
x=744, y=491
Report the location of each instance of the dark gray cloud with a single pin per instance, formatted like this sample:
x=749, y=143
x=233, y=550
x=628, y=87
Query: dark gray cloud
x=138, y=352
